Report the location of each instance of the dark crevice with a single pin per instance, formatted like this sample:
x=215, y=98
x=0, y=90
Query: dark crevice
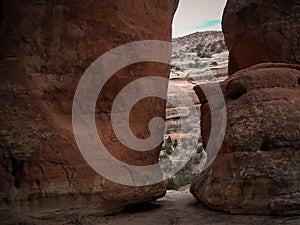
x=38, y=183
x=265, y=147
x=15, y=171
x=238, y=95
x=16, y=183
x=236, y=89
x=141, y=207
x=14, y=166
x=299, y=81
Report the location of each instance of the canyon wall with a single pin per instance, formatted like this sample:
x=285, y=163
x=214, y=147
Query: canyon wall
x=45, y=47
x=257, y=168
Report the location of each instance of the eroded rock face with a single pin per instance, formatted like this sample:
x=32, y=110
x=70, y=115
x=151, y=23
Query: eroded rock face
x=258, y=31
x=45, y=47
x=257, y=170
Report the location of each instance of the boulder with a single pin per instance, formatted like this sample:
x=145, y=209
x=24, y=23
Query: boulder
x=258, y=31
x=257, y=170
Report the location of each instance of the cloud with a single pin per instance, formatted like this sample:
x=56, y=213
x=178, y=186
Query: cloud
x=208, y=24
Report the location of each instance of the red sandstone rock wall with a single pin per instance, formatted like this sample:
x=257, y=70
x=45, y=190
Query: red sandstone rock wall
x=45, y=47
x=257, y=168
x=258, y=31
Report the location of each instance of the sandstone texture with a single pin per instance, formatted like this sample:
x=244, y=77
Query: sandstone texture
x=257, y=170
x=45, y=47
x=258, y=31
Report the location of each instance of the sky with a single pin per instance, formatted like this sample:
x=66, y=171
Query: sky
x=197, y=15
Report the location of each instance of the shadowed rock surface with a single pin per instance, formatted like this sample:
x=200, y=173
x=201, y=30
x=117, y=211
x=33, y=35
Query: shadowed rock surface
x=45, y=47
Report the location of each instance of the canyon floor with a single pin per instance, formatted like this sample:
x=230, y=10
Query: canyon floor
x=181, y=208
x=175, y=208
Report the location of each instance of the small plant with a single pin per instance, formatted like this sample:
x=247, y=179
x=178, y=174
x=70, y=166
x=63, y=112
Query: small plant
x=175, y=144
x=223, y=45
x=169, y=140
x=200, y=139
x=184, y=176
x=214, y=63
x=213, y=47
x=172, y=183
x=204, y=54
x=169, y=149
x=219, y=50
x=191, y=79
x=199, y=149
x=197, y=158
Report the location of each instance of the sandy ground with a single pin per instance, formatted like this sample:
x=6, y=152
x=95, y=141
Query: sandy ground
x=176, y=208
x=180, y=208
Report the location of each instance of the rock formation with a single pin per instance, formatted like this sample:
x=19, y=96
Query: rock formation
x=45, y=47
x=257, y=168
x=258, y=31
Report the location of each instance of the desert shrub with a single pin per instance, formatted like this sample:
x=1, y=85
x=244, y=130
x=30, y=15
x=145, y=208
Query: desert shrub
x=175, y=144
x=169, y=140
x=184, y=176
x=223, y=45
x=169, y=149
x=200, y=139
x=190, y=79
x=200, y=47
x=214, y=63
x=172, y=183
x=204, y=54
x=213, y=47
x=219, y=50
x=197, y=158
x=199, y=149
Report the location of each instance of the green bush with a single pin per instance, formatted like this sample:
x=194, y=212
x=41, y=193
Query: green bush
x=172, y=183
x=175, y=144
x=184, y=176
x=169, y=149
x=199, y=149
x=169, y=140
